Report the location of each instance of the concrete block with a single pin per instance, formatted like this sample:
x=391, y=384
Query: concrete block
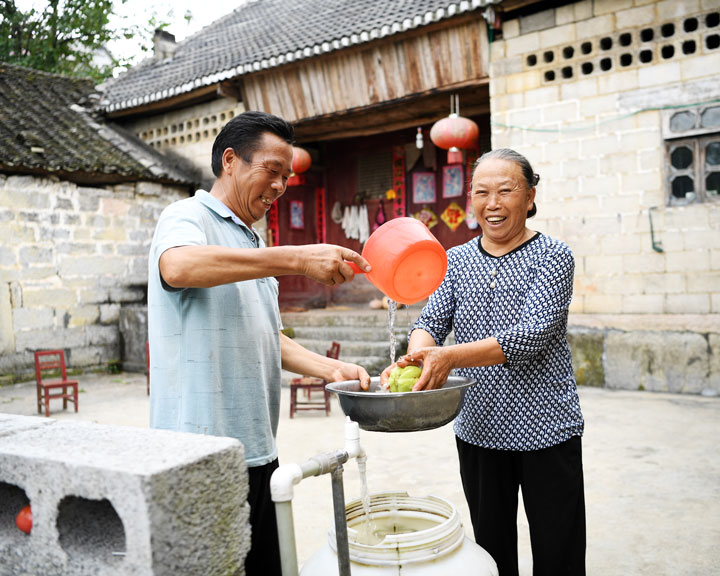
x=700, y=67
x=687, y=217
x=91, y=265
x=542, y=96
x=640, y=140
x=121, y=501
x=636, y=17
x=603, y=303
x=49, y=339
x=559, y=35
x=522, y=82
x=561, y=111
x=673, y=284
x=660, y=74
x=611, y=6
x=597, y=106
x=59, y=297
x=587, y=357
x=669, y=9
x=625, y=244
x=82, y=315
x=657, y=361
x=7, y=334
x=32, y=318
x=618, y=81
x=714, y=370
x=511, y=29
x=688, y=261
x=522, y=44
x=538, y=21
x=133, y=327
x=688, y=303
x=642, y=264
x=643, y=304
x=618, y=163
x=596, y=26
x=109, y=313
x=580, y=89
x=564, y=15
x=714, y=259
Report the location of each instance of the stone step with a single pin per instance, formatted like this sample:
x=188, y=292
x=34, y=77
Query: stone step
x=356, y=348
x=347, y=332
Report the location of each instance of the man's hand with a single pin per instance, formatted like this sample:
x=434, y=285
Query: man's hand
x=328, y=264
x=347, y=371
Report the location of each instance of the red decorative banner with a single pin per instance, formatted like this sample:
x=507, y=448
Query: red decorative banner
x=273, y=226
x=398, y=180
x=320, y=214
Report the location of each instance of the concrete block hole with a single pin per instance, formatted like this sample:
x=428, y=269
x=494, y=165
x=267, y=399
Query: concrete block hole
x=12, y=500
x=90, y=529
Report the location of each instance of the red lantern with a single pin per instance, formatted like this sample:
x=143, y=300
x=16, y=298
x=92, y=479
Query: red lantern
x=453, y=133
x=301, y=160
x=300, y=163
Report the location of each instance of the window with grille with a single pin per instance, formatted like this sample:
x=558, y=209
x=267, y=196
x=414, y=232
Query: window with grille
x=374, y=174
x=692, y=147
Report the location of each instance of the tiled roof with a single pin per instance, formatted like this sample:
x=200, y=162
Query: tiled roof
x=46, y=127
x=263, y=34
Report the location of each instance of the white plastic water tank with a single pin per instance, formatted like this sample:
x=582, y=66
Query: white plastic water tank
x=405, y=535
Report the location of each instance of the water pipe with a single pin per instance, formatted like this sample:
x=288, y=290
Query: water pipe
x=656, y=245
x=281, y=490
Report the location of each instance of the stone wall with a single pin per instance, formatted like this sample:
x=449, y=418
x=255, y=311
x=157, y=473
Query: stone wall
x=583, y=91
x=70, y=258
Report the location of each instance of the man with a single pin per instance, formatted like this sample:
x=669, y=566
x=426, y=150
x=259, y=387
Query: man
x=214, y=321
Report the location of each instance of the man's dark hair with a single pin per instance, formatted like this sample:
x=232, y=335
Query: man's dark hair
x=243, y=134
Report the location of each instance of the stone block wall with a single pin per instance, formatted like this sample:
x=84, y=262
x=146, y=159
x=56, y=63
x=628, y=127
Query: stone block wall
x=70, y=258
x=583, y=93
x=120, y=501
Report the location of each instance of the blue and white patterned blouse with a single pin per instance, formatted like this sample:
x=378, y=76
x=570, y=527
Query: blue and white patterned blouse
x=522, y=299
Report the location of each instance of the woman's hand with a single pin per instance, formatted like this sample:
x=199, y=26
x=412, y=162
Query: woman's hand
x=435, y=365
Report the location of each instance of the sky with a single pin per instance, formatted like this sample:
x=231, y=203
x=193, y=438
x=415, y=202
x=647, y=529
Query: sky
x=139, y=12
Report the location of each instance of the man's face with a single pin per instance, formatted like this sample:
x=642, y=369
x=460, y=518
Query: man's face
x=258, y=183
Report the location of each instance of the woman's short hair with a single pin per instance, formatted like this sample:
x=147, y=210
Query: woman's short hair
x=509, y=154
x=243, y=134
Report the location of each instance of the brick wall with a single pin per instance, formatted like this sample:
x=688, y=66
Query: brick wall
x=70, y=258
x=569, y=90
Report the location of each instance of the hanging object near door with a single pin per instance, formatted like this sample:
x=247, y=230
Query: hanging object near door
x=398, y=181
x=379, y=216
x=320, y=225
x=426, y=216
x=455, y=133
x=300, y=163
x=453, y=216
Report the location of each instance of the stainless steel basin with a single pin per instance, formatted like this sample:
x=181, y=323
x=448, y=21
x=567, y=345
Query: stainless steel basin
x=401, y=411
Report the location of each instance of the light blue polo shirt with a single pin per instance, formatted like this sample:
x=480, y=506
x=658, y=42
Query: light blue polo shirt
x=215, y=363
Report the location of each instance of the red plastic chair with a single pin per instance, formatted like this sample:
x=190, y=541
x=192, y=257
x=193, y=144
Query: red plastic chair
x=53, y=362
x=310, y=384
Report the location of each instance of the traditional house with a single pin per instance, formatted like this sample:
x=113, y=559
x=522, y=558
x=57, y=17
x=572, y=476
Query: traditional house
x=615, y=102
x=79, y=198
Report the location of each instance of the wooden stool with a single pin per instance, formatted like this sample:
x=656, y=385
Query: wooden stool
x=310, y=385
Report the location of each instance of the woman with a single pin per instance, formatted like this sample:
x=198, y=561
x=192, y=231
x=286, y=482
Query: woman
x=506, y=294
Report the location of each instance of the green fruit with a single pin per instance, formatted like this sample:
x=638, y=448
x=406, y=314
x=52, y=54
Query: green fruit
x=403, y=379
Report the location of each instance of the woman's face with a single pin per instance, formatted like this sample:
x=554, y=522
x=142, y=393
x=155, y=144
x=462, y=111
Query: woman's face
x=501, y=199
